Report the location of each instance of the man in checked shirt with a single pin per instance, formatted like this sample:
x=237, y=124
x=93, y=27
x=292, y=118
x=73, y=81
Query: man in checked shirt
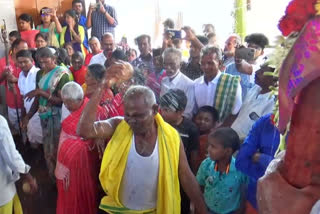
x=102, y=18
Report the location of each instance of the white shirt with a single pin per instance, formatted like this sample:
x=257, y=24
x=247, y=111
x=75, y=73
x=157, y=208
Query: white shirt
x=27, y=84
x=11, y=164
x=98, y=59
x=316, y=208
x=255, y=104
x=204, y=93
x=139, y=185
x=183, y=83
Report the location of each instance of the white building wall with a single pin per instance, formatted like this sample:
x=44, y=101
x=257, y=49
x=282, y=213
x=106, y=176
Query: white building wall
x=7, y=12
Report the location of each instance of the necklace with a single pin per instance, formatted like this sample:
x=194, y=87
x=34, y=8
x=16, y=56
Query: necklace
x=216, y=168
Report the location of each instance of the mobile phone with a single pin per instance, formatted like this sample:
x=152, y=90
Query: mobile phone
x=245, y=53
x=46, y=11
x=95, y=5
x=254, y=116
x=176, y=34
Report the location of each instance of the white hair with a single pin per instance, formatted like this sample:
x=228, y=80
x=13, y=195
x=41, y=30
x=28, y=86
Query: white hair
x=72, y=91
x=94, y=38
x=147, y=93
x=211, y=49
x=175, y=53
x=237, y=37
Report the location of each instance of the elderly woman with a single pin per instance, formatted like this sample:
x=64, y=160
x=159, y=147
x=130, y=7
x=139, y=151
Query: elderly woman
x=77, y=163
x=49, y=82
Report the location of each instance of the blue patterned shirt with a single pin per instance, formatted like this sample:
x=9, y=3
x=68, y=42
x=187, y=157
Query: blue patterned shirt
x=246, y=81
x=100, y=24
x=222, y=192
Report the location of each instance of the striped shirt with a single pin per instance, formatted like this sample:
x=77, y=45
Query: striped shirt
x=100, y=24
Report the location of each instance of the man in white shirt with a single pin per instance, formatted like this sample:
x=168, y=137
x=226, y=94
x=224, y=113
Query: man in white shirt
x=11, y=165
x=257, y=103
x=172, y=58
x=108, y=46
x=217, y=89
x=27, y=83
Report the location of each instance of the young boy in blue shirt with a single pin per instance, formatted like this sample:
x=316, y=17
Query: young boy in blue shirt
x=224, y=186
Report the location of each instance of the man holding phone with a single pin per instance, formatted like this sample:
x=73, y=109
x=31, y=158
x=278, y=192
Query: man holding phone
x=192, y=68
x=77, y=6
x=247, y=60
x=102, y=18
x=257, y=103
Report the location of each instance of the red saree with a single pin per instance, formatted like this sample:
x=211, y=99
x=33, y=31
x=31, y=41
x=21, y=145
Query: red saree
x=77, y=170
x=115, y=107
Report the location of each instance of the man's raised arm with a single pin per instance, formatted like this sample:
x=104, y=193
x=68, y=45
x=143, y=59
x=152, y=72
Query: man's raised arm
x=88, y=127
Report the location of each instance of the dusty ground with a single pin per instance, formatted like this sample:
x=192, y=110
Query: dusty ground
x=44, y=201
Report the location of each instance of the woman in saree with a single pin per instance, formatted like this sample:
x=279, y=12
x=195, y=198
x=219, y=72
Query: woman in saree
x=77, y=162
x=73, y=33
x=49, y=82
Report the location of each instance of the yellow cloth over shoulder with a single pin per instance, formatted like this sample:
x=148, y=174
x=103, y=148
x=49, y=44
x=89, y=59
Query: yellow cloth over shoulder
x=114, y=163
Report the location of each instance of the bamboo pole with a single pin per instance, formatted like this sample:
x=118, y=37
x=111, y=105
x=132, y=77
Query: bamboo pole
x=240, y=17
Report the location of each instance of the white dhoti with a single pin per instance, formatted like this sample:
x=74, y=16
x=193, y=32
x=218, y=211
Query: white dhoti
x=34, y=132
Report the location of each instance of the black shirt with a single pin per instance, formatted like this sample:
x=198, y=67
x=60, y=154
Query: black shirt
x=189, y=135
x=191, y=70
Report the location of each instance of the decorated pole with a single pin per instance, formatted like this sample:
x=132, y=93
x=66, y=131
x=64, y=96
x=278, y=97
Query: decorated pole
x=240, y=17
x=293, y=186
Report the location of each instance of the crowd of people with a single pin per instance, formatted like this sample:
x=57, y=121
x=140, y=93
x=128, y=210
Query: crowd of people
x=159, y=132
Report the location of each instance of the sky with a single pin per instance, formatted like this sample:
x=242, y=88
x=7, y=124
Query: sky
x=138, y=16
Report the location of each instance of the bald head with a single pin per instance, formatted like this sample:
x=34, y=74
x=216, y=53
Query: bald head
x=230, y=45
x=107, y=42
x=107, y=35
x=134, y=91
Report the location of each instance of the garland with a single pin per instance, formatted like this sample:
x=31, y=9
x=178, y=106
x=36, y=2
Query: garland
x=298, y=12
